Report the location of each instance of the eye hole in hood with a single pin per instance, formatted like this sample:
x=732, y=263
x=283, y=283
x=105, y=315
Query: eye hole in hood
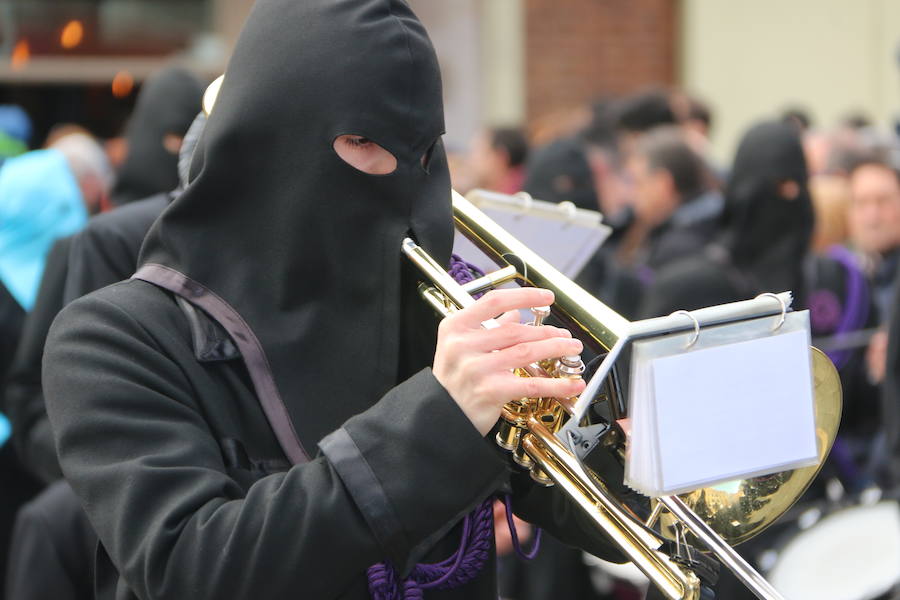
x=364, y=155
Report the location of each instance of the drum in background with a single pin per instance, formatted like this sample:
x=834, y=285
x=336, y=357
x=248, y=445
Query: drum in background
x=850, y=554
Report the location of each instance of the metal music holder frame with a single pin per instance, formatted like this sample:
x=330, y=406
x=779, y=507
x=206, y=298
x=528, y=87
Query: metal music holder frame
x=671, y=324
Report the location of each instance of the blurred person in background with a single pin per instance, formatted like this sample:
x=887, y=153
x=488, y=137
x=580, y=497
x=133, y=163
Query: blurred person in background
x=169, y=99
x=497, y=159
x=15, y=131
x=874, y=224
x=612, y=187
x=153, y=120
x=592, y=161
x=676, y=214
x=641, y=112
x=89, y=164
x=40, y=201
x=798, y=118
x=52, y=536
x=165, y=108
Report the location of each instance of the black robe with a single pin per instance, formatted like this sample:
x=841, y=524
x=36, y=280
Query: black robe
x=205, y=500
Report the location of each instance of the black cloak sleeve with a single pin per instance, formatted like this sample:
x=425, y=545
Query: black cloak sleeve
x=136, y=420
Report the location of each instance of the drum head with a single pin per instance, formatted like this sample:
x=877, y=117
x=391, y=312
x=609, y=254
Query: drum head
x=853, y=554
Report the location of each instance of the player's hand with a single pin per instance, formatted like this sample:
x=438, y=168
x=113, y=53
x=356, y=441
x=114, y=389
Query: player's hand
x=475, y=364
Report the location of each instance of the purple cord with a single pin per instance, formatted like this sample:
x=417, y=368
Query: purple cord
x=457, y=570
x=515, y=534
x=475, y=542
x=464, y=272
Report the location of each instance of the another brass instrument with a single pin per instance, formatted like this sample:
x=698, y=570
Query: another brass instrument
x=550, y=436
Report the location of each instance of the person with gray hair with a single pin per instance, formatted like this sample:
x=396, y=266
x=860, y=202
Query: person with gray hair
x=90, y=165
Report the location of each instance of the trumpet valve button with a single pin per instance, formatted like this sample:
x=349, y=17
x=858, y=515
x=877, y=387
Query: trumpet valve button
x=571, y=366
x=540, y=313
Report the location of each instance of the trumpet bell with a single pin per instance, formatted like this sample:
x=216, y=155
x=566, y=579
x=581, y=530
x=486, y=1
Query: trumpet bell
x=740, y=509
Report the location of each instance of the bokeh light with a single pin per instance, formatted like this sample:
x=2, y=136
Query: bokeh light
x=72, y=34
x=21, y=54
x=122, y=84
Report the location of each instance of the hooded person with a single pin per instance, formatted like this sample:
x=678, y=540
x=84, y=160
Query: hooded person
x=165, y=109
x=273, y=314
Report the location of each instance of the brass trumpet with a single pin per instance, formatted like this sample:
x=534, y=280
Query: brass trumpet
x=550, y=437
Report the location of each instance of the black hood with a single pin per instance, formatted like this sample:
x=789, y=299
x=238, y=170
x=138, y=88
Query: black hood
x=167, y=104
x=302, y=245
x=768, y=235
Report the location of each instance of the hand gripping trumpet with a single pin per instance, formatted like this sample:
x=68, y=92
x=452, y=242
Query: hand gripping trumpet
x=550, y=437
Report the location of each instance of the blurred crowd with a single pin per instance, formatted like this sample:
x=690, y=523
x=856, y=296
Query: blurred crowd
x=803, y=207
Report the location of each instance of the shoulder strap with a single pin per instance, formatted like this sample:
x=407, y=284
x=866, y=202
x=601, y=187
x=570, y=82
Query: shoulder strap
x=247, y=344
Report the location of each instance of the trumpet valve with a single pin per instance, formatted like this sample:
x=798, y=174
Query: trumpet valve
x=570, y=367
x=540, y=477
x=540, y=313
x=513, y=419
x=508, y=435
x=521, y=457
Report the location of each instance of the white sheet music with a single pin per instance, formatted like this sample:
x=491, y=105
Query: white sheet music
x=728, y=411
x=566, y=246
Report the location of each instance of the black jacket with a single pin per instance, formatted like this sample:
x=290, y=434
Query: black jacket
x=207, y=506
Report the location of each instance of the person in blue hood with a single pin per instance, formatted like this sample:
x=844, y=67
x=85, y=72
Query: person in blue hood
x=39, y=202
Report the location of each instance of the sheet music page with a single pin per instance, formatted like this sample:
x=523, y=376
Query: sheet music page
x=566, y=246
x=735, y=410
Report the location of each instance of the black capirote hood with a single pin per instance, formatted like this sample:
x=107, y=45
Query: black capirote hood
x=302, y=245
x=767, y=234
x=167, y=104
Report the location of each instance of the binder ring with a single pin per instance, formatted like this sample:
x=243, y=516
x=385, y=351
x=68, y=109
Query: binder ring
x=568, y=209
x=783, y=308
x=527, y=201
x=696, y=335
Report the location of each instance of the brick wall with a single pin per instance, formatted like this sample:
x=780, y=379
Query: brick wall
x=577, y=50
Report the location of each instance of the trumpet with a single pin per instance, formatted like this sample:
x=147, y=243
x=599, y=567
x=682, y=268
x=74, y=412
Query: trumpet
x=550, y=437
